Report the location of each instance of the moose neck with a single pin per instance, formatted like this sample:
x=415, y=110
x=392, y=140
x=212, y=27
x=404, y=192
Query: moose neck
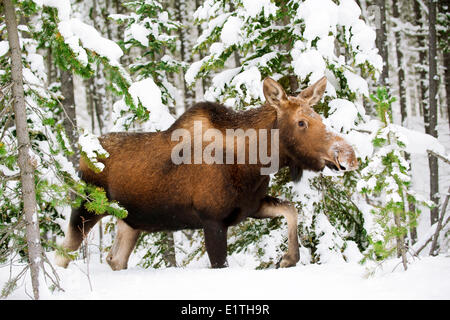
x=265, y=117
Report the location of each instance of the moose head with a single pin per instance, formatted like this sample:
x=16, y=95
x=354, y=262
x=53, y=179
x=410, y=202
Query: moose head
x=305, y=142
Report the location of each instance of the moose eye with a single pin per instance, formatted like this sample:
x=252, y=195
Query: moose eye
x=302, y=124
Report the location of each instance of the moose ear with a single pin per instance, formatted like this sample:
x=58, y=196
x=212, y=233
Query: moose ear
x=273, y=92
x=314, y=93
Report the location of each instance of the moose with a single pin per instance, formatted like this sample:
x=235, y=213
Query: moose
x=161, y=195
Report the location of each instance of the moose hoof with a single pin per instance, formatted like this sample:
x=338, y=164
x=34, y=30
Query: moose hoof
x=288, y=261
x=115, y=265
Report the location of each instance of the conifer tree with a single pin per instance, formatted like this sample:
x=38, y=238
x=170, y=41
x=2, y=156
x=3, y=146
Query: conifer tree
x=387, y=176
x=49, y=25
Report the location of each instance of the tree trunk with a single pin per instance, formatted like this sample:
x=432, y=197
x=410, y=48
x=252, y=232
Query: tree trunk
x=25, y=160
x=421, y=69
x=401, y=250
x=447, y=82
x=180, y=9
x=433, y=91
x=70, y=117
x=443, y=9
x=402, y=92
x=400, y=67
x=381, y=43
x=169, y=253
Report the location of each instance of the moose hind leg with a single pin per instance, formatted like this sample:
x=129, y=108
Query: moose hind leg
x=80, y=223
x=216, y=243
x=272, y=208
x=123, y=246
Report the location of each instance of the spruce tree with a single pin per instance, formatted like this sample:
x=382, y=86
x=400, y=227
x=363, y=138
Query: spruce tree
x=48, y=25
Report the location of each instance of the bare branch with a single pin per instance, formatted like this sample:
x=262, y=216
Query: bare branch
x=440, y=156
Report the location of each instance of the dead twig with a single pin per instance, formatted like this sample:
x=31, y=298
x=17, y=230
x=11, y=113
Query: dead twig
x=440, y=156
x=439, y=225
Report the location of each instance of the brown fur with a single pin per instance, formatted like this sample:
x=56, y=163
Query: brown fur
x=160, y=195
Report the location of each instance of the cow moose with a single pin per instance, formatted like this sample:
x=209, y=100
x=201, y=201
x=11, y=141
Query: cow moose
x=161, y=195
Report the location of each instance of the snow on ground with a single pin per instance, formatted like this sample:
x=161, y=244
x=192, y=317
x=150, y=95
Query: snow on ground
x=426, y=278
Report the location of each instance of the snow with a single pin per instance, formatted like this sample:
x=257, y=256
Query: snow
x=418, y=142
x=63, y=7
x=73, y=30
x=427, y=278
x=148, y=93
x=308, y=62
x=192, y=71
x=254, y=7
x=90, y=145
x=348, y=12
x=420, y=171
x=231, y=31
x=212, y=25
x=216, y=48
x=4, y=48
x=139, y=33
x=251, y=79
x=363, y=36
x=320, y=17
x=361, y=142
x=220, y=80
x=356, y=83
x=326, y=47
x=343, y=115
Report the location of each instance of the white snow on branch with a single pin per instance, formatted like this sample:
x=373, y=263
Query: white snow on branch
x=255, y=7
x=356, y=83
x=148, y=94
x=418, y=142
x=90, y=145
x=4, y=48
x=91, y=39
x=63, y=7
x=308, y=62
x=320, y=17
x=343, y=114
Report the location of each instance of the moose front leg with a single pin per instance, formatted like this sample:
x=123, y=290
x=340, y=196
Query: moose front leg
x=216, y=243
x=273, y=207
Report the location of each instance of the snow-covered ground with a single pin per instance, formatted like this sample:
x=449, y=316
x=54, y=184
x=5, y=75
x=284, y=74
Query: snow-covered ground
x=426, y=278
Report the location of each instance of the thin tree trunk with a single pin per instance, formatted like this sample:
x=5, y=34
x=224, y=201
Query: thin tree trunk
x=444, y=7
x=381, y=43
x=180, y=8
x=402, y=93
x=433, y=91
x=200, y=84
x=401, y=251
x=421, y=69
x=70, y=118
x=400, y=70
x=25, y=160
x=447, y=82
x=169, y=254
